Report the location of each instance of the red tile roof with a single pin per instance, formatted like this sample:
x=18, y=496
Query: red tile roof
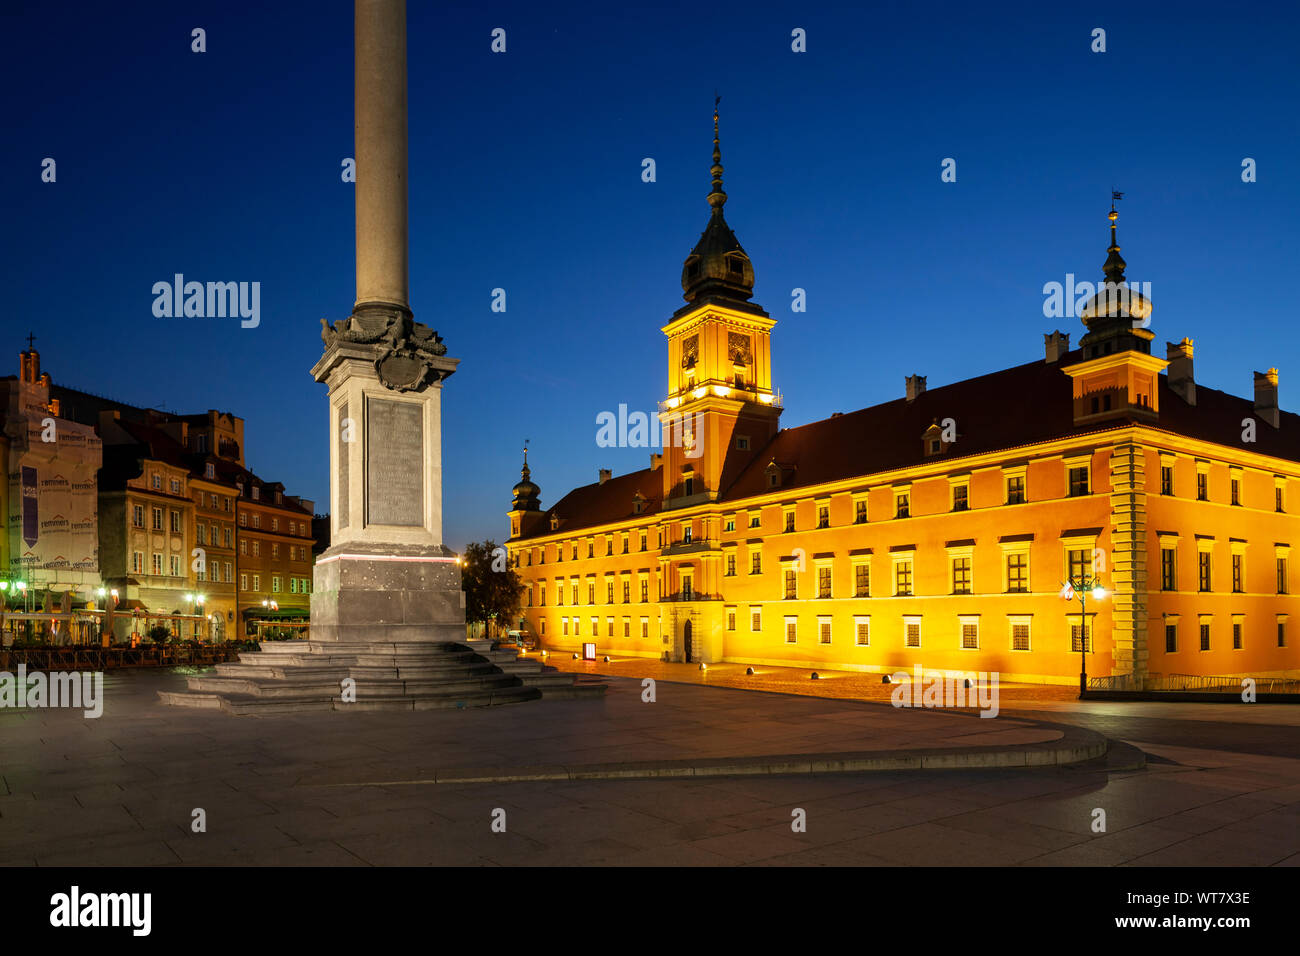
x=1015, y=407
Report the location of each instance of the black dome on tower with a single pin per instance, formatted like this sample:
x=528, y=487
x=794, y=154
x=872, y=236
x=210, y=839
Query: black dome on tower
x=717, y=266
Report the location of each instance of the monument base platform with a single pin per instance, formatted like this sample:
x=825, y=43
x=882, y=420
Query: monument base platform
x=297, y=676
x=364, y=595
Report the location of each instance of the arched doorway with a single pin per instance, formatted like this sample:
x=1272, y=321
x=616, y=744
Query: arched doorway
x=686, y=642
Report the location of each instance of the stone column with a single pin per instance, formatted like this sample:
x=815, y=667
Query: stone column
x=386, y=576
x=380, y=128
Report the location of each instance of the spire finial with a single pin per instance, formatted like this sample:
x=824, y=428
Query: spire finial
x=717, y=198
x=1115, y=264
x=524, y=471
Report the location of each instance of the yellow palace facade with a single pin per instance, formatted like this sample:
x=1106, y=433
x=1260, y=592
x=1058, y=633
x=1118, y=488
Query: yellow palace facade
x=939, y=528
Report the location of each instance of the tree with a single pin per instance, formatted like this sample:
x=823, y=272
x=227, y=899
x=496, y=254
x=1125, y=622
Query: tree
x=492, y=587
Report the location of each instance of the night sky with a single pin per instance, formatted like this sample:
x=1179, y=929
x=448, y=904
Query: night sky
x=526, y=175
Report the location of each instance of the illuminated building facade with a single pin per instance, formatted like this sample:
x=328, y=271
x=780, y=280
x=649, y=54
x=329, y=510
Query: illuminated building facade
x=938, y=528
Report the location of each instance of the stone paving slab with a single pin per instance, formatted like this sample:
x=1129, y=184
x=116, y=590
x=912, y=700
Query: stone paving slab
x=128, y=802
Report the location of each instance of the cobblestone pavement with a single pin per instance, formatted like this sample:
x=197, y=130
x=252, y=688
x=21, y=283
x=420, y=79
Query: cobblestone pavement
x=123, y=789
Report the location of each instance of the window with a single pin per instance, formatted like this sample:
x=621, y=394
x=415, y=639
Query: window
x=688, y=591
x=902, y=505
x=229, y=576
x=686, y=533
x=591, y=592
x=564, y=626
x=731, y=618
x=573, y=593
x=176, y=522
x=789, y=520
x=862, y=631
x=862, y=580
x=860, y=511
x=243, y=520
x=1202, y=486
x=627, y=590
x=1278, y=501
x=243, y=582
x=137, y=516
x=1171, y=638
x=1017, y=572
x=970, y=635
x=541, y=593
x=688, y=487
x=293, y=585
x=275, y=524
x=903, y=577
x=791, y=585
x=961, y=575
x=642, y=540
x=257, y=521
x=175, y=486
x=731, y=565
x=243, y=546
x=645, y=627
x=756, y=562
x=1078, y=565
x=157, y=519
x=1020, y=636
x=912, y=631
x=591, y=548
x=645, y=589
x=1078, y=481
x=201, y=535
x=626, y=538
x=1281, y=632
x=559, y=594
x=823, y=516
x=275, y=550
x=1234, y=490
x=275, y=584
x=609, y=545
x=1281, y=576
x=824, y=582
x=791, y=630
x=1016, y=489
x=1166, y=479
x=961, y=497
x=156, y=563
x=754, y=520
x=574, y=555
x=1237, y=627
x=175, y=565
x=227, y=537
x=609, y=592
x=756, y=619
x=823, y=630
x=1238, y=573
x=742, y=441
x=1205, y=635
x=627, y=627
x=157, y=481
x=1079, y=635
x=257, y=548
x=1168, y=568
x=729, y=524
x=1203, y=570
x=137, y=562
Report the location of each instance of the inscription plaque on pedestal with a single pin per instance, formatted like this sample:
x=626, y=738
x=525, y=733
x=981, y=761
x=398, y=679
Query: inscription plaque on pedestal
x=395, y=463
x=345, y=441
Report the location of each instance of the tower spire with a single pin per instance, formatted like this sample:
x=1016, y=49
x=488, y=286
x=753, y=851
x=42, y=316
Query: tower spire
x=717, y=198
x=1115, y=264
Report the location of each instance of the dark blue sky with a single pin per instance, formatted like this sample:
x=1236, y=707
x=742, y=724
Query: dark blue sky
x=525, y=175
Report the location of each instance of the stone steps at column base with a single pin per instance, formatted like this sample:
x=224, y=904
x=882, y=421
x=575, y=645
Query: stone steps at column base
x=269, y=687
x=251, y=705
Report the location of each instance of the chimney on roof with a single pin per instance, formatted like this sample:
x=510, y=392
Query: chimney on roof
x=1057, y=344
x=656, y=460
x=604, y=475
x=1266, y=397
x=1181, y=382
x=915, y=386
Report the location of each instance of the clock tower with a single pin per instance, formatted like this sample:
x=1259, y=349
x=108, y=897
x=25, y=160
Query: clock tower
x=721, y=409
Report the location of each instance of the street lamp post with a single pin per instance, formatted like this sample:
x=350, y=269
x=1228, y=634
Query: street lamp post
x=1085, y=585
